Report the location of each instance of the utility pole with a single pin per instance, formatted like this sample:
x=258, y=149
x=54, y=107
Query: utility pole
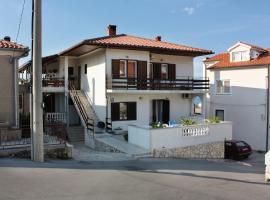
x=37, y=132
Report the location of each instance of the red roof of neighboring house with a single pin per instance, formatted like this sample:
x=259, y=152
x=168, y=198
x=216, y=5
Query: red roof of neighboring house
x=254, y=47
x=4, y=44
x=133, y=42
x=224, y=61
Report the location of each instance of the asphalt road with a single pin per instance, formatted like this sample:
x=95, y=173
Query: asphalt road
x=162, y=179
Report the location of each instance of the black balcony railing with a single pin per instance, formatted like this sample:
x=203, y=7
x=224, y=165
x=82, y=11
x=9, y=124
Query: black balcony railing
x=180, y=83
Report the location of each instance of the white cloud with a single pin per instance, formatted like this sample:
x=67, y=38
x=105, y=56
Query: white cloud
x=189, y=10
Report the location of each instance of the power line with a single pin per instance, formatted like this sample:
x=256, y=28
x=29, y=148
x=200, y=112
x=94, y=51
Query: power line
x=19, y=26
x=20, y=21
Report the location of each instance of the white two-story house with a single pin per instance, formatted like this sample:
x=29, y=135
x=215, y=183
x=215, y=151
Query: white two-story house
x=239, y=91
x=121, y=79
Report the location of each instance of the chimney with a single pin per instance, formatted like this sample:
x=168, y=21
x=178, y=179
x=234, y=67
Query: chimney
x=111, y=30
x=7, y=38
x=158, y=38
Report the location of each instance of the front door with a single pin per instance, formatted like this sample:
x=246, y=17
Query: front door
x=161, y=111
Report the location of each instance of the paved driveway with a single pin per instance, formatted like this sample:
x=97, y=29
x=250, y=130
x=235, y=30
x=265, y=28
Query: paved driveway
x=133, y=179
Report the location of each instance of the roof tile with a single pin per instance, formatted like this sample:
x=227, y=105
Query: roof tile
x=11, y=45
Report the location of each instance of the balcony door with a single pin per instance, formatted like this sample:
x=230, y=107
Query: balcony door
x=161, y=111
x=49, y=102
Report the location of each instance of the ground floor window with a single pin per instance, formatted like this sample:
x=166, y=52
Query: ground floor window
x=220, y=114
x=123, y=111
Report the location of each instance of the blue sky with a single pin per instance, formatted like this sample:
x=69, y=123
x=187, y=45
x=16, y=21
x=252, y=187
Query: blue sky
x=209, y=24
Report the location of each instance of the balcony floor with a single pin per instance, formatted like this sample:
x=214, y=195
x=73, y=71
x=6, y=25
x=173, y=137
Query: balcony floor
x=130, y=91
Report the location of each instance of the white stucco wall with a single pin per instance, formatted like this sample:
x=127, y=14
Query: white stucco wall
x=179, y=107
x=238, y=48
x=246, y=105
x=184, y=64
x=94, y=82
x=173, y=137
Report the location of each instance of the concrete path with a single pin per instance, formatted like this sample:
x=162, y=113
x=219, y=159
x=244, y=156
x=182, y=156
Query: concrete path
x=121, y=145
x=83, y=153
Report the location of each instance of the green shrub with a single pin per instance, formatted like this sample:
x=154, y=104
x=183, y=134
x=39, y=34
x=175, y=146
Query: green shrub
x=213, y=120
x=156, y=125
x=187, y=121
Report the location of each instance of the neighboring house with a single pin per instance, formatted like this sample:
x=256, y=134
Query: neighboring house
x=239, y=91
x=10, y=53
x=124, y=80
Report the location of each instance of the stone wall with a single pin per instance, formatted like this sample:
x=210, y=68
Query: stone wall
x=214, y=150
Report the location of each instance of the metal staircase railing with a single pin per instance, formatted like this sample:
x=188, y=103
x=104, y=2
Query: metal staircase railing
x=89, y=122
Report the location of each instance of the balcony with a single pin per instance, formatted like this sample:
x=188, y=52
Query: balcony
x=185, y=84
x=53, y=84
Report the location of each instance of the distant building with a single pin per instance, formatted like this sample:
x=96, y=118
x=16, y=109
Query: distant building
x=239, y=91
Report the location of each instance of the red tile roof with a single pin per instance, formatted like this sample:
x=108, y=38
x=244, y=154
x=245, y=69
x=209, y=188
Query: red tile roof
x=133, y=42
x=4, y=44
x=224, y=61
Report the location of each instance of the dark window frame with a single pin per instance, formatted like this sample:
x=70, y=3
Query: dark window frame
x=222, y=110
x=128, y=103
x=85, y=69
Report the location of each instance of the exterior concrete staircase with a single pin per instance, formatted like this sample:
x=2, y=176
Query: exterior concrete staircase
x=86, y=111
x=75, y=134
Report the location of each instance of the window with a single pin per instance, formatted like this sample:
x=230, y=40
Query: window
x=220, y=114
x=85, y=68
x=239, y=56
x=223, y=87
x=164, y=71
x=70, y=71
x=123, y=111
x=132, y=69
x=123, y=69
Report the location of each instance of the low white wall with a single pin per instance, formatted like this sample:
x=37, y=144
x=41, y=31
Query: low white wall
x=174, y=138
x=267, y=168
x=139, y=136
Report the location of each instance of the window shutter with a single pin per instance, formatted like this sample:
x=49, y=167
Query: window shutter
x=154, y=117
x=142, y=74
x=115, y=111
x=157, y=70
x=171, y=72
x=166, y=111
x=115, y=68
x=132, y=111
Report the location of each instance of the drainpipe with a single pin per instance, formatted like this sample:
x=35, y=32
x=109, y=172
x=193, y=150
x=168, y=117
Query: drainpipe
x=16, y=94
x=267, y=106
